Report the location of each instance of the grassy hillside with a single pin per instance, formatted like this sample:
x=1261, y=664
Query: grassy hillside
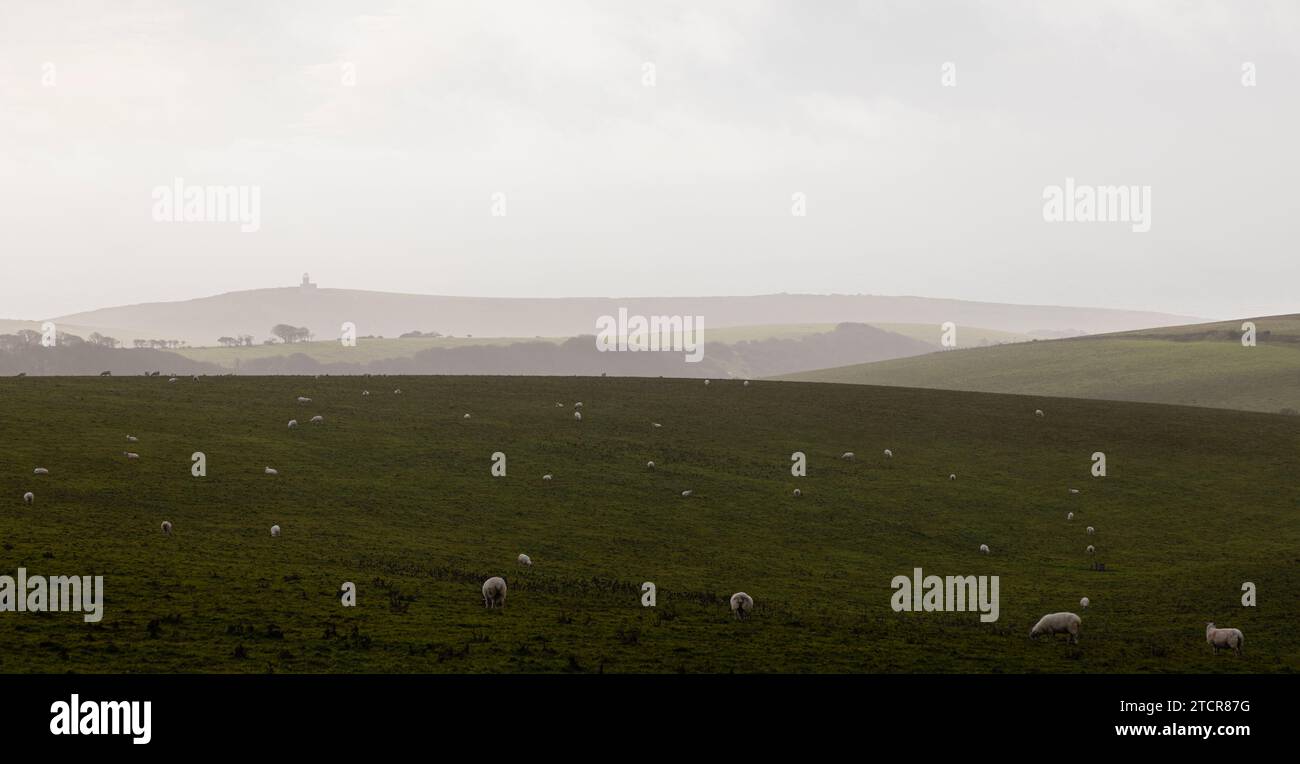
x=394, y=493
x=1196, y=365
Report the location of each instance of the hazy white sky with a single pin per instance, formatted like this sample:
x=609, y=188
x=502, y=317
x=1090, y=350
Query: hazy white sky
x=614, y=188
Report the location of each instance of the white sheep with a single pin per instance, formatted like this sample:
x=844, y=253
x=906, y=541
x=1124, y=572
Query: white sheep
x=984, y=548
x=1221, y=638
x=577, y=415
x=650, y=465
x=40, y=471
x=173, y=379
x=578, y=405
x=318, y=419
x=741, y=604
x=1091, y=530
x=466, y=416
x=656, y=424
x=1092, y=549
x=889, y=454
x=746, y=383
x=686, y=494
x=494, y=592
x=1038, y=412
x=525, y=560
x=365, y=392
x=1074, y=490
x=29, y=497
x=559, y=405
x=398, y=391
x=275, y=531
x=706, y=383
x=301, y=399
x=1069, y=515
x=1083, y=603
x=847, y=456
x=546, y=476
x=131, y=439
x=130, y=455
x=293, y=423
x=167, y=527
x=952, y=475
x=271, y=471
x=797, y=493
x=1058, y=623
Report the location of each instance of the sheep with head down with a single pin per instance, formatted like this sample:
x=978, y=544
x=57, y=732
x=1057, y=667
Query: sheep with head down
x=526, y=561
x=29, y=497
x=1224, y=638
x=742, y=605
x=494, y=592
x=1058, y=623
x=167, y=527
x=984, y=548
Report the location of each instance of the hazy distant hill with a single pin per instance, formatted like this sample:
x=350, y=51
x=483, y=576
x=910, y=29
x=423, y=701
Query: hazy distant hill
x=1198, y=365
x=323, y=311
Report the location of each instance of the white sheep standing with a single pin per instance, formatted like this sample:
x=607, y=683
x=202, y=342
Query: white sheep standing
x=1083, y=603
x=656, y=424
x=365, y=392
x=847, y=456
x=1091, y=530
x=952, y=475
x=130, y=455
x=293, y=423
x=742, y=605
x=494, y=592
x=1069, y=515
x=29, y=497
x=706, y=383
x=525, y=560
x=889, y=454
x=318, y=419
x=746, y=383
x=301, y=399
x=40, y=471
x=649, y=465
x=1038, y=412
x=1223, y=638
x=1074, y=490
x=167, y=527
x=797, y=493
x=173, y=379
x=546, y=476
x=686, y=494
x=577, y=415
x=578, y=405
x=1092, y=549
x=1058, y=623
x=271, y=471
x=275, y=531
x=466, y=416
x=131, y=439
x=984, y=548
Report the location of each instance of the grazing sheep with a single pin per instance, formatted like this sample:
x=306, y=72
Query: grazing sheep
x=40, y=471
x=746, y=383
x=656, y=424
x=650, y=465
x=952, y=476
x=398, y=391
x=465, y=417
x=131, y=439
x=1092, y=549
x=271, y=471
x=293, y=423
x=578, y=405
x=167, y=527
x=1219, y=638
x=494, y=592
x=577, y=415
x=1069, y=515
x=797, y=493
x=686, y=493
x=1074, y=490
x=706, y=382
x=1058, y=623
x=301, y=399
x=130, y=455
x=889, y=454
x=318, y=419
x=742, y=605
x=525, y=560
x=847, y=456
x=546, y=477
x=173, y=379
x=365, y=392
x=984, y=548
x=275, y=531
x=1091, y=530
x=1083, y=603
x=28, y=497
x=1038, y=412
x=559, y=405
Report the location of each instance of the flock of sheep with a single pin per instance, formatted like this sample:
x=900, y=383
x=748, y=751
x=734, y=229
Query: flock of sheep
x=494, y=589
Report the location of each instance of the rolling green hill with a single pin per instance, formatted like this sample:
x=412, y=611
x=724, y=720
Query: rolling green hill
x=394, y=493
x=1195, y=365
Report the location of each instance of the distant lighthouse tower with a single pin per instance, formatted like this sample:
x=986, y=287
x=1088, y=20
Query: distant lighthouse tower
x=306, y=283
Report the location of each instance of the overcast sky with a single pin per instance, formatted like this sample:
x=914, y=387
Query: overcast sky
x=378, y=133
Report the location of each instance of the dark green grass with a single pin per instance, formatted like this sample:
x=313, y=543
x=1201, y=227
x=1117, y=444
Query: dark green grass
x=394, y=493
